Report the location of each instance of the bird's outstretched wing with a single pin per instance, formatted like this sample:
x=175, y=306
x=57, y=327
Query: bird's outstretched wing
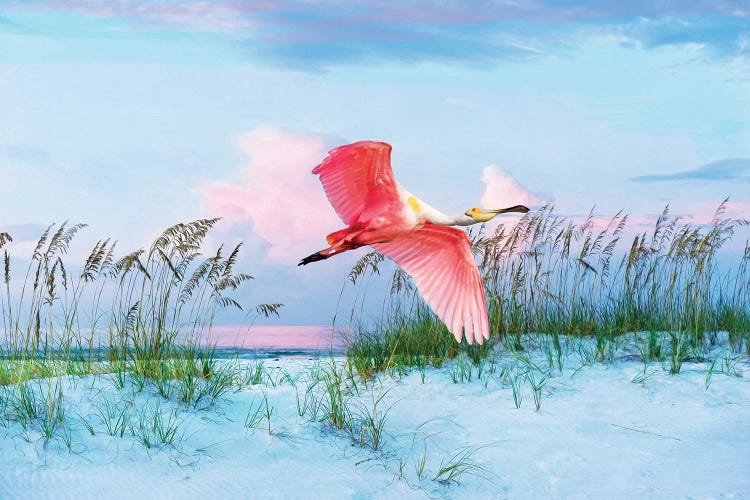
x=439, y=259
x=358, y=176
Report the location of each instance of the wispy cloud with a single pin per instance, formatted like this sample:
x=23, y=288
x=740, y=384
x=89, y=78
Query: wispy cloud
x=730, y=169
x=704, y=213
x=721, y=35
x=24, y=154
x=308, y=34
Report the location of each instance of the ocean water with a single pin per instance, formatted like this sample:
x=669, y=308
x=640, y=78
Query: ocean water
x=244, y=341
x=272, y=341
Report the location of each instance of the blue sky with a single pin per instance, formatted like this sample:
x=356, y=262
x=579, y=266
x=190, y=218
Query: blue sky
x=131, y=116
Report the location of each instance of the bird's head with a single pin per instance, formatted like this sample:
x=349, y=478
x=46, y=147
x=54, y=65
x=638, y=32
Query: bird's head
x=481, y=215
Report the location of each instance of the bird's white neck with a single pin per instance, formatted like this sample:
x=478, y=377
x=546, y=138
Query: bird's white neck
x=437, y=217
x=425, y=212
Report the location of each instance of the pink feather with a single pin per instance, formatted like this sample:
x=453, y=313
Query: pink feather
x=456, y=296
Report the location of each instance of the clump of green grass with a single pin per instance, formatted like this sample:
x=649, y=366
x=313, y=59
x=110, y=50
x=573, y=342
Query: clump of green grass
x=256, y=414
x=114, y=415
x=156, y=426
x=405, y=342
x=37, y=405
x=460, y=464
x=333, y=398
x=462, y=371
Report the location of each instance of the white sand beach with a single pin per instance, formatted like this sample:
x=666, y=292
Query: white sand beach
x=598, y=433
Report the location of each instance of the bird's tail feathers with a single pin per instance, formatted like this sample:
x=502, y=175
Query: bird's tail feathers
x=337, y=236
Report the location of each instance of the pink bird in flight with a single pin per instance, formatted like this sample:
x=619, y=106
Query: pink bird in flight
x=362, y=189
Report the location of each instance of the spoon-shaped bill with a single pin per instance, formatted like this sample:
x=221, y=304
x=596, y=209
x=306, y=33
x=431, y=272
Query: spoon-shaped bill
x=515, y=208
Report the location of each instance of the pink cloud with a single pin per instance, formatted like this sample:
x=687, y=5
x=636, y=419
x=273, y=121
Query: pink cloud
x=635, y=224
x=700, y=215
x=278, y=194
x=503, y=190
x=704, y=213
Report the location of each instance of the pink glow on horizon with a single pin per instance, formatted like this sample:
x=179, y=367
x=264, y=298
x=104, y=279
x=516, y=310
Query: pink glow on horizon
x=278, y=193
x=278, y=337
x=637, y=224
x=704, y=213
x=701, y=214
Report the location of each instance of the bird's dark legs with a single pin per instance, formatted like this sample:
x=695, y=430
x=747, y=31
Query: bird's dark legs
x=313, y=258
x=340, y=241
x=328, y=252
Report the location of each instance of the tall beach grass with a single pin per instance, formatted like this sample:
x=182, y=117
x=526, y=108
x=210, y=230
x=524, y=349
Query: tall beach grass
x=148, y=312
x=141, y=320
x=548, y=274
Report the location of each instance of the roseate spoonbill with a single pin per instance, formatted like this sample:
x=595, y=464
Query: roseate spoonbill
x=359, y=183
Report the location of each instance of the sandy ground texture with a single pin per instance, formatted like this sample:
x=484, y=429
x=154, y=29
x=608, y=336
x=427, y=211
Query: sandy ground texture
x=597, y=434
